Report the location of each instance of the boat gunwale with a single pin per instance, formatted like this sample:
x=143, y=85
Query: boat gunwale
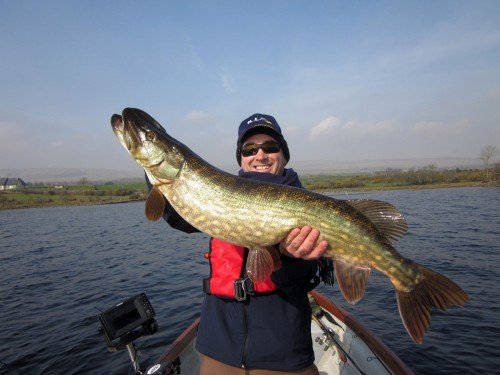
x=375, y=344
x=175, y=349
x=392, y=362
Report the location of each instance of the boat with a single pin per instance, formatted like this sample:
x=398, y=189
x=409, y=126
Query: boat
x=341, y=346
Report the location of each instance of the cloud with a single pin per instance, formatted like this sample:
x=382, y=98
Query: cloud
x=367, y=128
x=348, y=129
x=193, y=56
x=227, y=83
x=291, y=130
x=323, y=128
x=198, y=117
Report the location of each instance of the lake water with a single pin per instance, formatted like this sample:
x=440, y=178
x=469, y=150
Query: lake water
x=60, y=266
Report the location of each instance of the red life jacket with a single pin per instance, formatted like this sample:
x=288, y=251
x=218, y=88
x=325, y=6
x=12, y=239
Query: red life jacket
x=227, y=272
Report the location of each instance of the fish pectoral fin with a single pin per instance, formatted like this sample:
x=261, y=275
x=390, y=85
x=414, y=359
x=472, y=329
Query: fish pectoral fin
x=261, y=263
x=352, y=280
x=155, y=205
x=388, y=220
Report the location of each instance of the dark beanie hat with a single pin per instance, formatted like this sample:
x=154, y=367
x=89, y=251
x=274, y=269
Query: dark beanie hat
x=260, y=124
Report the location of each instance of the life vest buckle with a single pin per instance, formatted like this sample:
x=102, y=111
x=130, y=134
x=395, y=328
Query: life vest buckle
x=243, y=288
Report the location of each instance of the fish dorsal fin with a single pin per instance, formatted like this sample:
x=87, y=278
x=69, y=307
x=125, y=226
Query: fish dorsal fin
x=155, y=205
x=352, y=280
x=388, y=220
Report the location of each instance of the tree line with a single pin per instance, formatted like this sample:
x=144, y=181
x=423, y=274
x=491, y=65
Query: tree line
x=394, y=177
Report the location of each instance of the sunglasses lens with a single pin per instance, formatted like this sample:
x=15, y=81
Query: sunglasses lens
x=269, y=147
x=249, y=149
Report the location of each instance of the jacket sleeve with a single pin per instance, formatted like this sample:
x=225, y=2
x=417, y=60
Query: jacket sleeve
x=171, y=216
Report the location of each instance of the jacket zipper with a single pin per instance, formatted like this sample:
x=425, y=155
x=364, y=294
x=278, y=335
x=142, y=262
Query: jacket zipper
x=245, y=342
x=245, y=313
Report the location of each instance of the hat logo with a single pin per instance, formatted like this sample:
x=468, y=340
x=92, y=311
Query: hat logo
x=259, y=119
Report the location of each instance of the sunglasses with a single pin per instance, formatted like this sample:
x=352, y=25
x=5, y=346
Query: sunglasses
x=269, y=147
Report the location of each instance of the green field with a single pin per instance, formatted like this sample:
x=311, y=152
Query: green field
x=72, y=195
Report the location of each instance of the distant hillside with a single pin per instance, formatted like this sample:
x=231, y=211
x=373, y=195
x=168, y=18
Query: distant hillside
x=368, y=166
x=312, y=167
x=98, y=175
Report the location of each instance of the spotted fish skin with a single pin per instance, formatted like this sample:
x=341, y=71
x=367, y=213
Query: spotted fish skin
x=257, y=215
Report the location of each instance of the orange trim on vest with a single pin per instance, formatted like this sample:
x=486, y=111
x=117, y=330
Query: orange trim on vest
x=226, y=266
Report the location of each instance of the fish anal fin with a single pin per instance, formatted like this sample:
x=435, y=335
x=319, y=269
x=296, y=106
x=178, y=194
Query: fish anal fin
x=352, y=280
x=260, y=263
x=434, y=290
x=155, y=205
x=388, y=220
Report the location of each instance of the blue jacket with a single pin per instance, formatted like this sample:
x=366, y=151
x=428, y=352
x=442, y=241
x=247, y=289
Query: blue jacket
x=267, y=331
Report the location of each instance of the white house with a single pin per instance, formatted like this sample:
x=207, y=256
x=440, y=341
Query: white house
x=11, y=183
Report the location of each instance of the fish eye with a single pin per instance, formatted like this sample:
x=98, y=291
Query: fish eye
x=150, y=135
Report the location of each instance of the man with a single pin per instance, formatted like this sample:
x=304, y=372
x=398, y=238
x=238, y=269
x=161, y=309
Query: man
x=261, y=328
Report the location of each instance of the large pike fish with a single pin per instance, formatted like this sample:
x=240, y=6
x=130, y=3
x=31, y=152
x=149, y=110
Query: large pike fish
x=258, y=215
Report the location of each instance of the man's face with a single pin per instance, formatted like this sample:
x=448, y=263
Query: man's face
x=262, y=162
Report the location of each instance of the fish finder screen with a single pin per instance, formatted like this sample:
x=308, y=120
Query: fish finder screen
x=124, y=320
x=126, y=316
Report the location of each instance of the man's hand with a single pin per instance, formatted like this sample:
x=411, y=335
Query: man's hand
x=301, y=243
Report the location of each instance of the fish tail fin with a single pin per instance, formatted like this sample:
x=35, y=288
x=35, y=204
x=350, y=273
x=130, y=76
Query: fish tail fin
x=434, y=290
x=261, y=262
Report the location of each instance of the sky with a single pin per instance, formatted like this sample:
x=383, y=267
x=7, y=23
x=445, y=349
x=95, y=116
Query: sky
x=346, y=80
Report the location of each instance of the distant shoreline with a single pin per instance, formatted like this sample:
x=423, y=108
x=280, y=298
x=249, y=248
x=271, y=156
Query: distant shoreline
x=416, y=187
x=6, y=205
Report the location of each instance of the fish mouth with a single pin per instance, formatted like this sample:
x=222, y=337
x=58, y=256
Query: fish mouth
x=118, y=126
x=117, y=123
x=126, y=129
x=133, y=122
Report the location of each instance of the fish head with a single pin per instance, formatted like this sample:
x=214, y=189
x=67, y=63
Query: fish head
x=149, y=144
